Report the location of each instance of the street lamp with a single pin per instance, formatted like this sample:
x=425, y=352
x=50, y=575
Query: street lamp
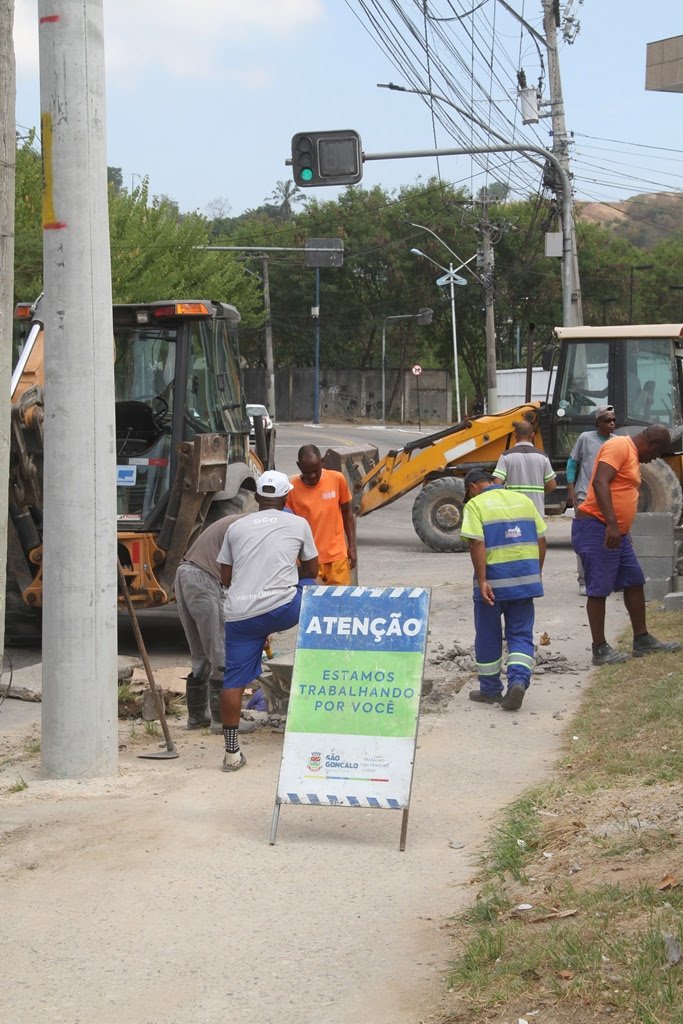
x=423, y=317
x=605, y=303
x=449, y=278
x=640, y=266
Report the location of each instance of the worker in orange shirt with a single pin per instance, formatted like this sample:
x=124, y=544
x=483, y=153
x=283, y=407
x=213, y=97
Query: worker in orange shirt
x=322, y=497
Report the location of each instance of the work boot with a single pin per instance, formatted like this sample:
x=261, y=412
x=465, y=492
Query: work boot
x=485, y=698
x=196, y=697
x=512, y=701
x=649, y=644
x=604, y=654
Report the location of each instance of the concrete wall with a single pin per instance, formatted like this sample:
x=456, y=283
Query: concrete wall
x=354, y=394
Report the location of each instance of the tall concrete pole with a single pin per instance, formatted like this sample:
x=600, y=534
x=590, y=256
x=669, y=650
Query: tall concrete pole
x=270, y=372
x=7, y=168
x=487, y=276
x=561, y=152
x=79, y=709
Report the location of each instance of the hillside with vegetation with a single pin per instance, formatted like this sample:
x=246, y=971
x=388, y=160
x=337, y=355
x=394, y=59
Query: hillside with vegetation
x=644, y=220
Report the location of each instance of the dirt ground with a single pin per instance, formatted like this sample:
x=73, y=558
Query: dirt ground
x=156, y=897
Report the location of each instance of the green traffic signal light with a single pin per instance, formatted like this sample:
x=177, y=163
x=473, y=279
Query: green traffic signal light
x=327, y=158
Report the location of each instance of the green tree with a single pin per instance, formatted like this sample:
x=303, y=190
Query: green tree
x=28, y=247
x=115, y=178
x=283, y=198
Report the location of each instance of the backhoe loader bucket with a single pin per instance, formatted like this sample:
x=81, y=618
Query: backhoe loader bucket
x=354, y=463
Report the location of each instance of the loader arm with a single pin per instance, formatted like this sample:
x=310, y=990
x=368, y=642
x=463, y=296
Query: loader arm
x=448, y=452
x=436, y=464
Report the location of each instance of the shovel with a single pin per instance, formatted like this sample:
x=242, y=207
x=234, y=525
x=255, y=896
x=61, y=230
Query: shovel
x=170, y=752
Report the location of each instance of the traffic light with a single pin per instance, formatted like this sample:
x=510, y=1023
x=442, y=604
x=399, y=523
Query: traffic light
x=327, y=158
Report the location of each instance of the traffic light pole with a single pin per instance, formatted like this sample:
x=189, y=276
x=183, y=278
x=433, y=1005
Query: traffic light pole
x=348, y=174
x=571, y=310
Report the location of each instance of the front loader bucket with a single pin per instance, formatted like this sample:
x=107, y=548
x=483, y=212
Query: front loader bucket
x=355, y=464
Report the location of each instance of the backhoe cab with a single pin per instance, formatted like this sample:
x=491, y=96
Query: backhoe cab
x=638, y=370
x=182, y=443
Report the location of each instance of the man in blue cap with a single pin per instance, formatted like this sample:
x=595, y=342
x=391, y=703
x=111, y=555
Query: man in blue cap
x=507, y=547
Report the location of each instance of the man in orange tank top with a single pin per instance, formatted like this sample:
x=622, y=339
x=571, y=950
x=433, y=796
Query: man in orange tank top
x=322, y=497
x=600, y=536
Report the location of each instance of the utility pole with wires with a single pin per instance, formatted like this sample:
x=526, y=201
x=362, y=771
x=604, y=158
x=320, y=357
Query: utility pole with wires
x=7, y=176
x=561, y=148
x=487, y=264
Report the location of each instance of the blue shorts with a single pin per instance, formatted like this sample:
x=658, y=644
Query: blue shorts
x=606, y=569
x=245, y=639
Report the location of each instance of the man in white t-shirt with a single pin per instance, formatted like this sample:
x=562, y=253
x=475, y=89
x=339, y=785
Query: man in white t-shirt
x=258, y=562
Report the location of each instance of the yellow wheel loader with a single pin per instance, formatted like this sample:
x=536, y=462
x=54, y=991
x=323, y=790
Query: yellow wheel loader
x=637, y=369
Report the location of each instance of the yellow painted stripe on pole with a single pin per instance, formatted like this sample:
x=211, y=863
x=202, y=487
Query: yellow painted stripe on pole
x=50, y=222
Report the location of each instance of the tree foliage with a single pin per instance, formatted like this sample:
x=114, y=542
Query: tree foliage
x=157, y=253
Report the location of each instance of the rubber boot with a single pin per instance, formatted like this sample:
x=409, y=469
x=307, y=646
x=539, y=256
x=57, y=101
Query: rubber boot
x=196, y=696
x=215, y=688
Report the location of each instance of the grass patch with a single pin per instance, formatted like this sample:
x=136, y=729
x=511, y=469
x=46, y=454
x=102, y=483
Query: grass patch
x=580, y=908
x=32, y=746
x=18, y=786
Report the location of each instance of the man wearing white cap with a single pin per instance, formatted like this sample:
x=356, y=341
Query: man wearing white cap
x=580, y=466
x=258, y=561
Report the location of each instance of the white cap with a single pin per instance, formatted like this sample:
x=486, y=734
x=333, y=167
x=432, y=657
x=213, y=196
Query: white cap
x=273, y=484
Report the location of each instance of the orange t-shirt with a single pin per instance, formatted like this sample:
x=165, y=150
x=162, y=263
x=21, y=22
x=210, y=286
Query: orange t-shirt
x=620, y=453
x=320, y=506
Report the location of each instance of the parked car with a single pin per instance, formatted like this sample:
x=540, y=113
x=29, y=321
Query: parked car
x=258, y=410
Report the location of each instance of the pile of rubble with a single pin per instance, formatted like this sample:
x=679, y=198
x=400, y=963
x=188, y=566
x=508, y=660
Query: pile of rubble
x=448, y=669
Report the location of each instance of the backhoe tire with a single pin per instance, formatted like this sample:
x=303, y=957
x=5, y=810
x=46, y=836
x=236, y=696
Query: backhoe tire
x=437, y=514
x=660, y=490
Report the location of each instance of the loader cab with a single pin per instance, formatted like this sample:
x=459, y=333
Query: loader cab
x=638, y=370
x=177, y=374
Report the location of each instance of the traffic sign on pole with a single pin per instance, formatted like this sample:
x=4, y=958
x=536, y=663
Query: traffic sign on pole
x=417, y=369
x=447, y=278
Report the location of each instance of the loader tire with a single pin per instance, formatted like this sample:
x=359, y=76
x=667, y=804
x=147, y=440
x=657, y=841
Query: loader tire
x=437, y=514
x=660, y=490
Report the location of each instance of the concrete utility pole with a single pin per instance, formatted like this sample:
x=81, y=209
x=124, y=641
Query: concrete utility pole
x=487, y=276
x=79, y=709
x=270, y=369
x=561, y=152
x=7, y=170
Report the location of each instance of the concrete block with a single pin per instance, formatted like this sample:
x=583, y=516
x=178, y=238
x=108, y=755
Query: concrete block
x=657, y=567
x=653, y=524
x=673, y=602
x=657, y=589
x=649, y=544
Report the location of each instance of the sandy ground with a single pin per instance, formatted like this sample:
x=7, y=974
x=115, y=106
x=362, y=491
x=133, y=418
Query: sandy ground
x=156, y=897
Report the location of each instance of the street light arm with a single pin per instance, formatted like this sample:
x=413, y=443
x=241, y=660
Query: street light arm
x=449, y=103
x=418, y=252
x=463, y=264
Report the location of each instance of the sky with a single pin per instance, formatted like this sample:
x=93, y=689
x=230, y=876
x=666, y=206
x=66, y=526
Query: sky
x=204, y=97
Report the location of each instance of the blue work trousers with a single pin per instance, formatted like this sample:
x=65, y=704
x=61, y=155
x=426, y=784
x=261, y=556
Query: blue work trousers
x=518, y=617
